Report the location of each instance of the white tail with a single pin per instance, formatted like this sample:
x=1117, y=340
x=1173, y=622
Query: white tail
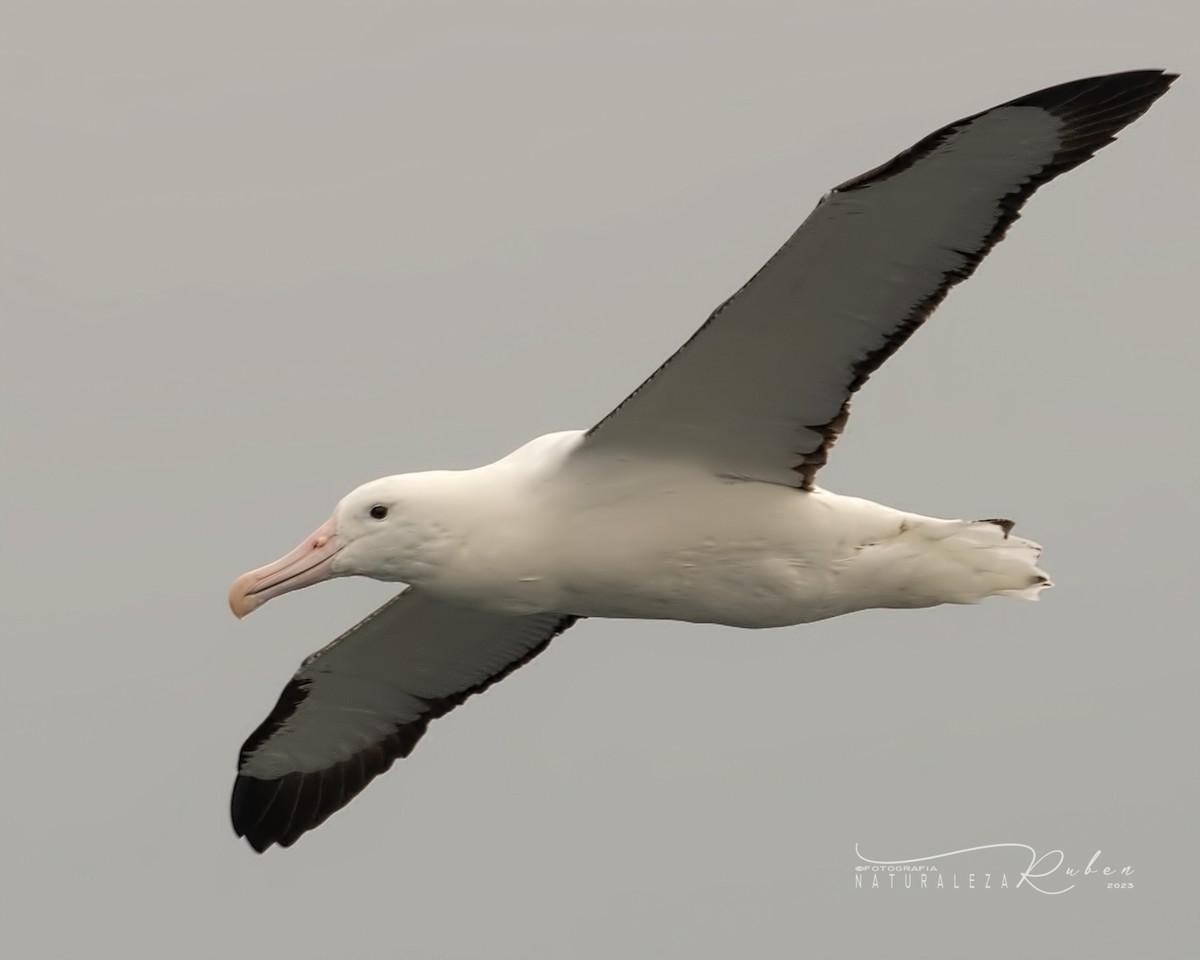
x=929, y=562
x=988, y=561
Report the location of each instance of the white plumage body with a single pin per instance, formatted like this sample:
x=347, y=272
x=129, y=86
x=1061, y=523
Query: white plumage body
x=552, y=528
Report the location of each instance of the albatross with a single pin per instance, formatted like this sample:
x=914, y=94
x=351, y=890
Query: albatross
x=695, y=499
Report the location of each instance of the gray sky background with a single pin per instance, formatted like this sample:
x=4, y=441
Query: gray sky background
x=253, y=254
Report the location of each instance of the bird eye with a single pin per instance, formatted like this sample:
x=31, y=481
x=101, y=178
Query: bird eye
x=379, y=511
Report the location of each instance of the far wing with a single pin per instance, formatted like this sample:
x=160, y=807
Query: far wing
x=762, y=390
x=366, y=699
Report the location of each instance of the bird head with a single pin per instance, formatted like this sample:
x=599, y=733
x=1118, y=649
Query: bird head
x=375, y=531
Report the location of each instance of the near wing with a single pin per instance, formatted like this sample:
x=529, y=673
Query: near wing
x=366, y=699
x=763, y=388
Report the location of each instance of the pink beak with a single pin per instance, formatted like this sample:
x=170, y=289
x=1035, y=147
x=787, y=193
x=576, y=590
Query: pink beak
x=309, y=563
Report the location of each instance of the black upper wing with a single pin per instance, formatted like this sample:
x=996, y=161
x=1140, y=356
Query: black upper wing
x=762, y=389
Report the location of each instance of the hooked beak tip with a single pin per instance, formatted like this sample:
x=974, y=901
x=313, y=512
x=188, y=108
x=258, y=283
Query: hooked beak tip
x=241, y=602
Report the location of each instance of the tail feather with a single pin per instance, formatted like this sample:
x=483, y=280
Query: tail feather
x=928, y=561
x=994, y=562
x=1005, y=525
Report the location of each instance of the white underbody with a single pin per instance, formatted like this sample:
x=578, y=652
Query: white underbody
x=552, y=529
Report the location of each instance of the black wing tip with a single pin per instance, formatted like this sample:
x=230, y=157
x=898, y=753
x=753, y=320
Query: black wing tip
x=1141, y=86
x=250, y=807
x=1094, y=109
x=281, y=811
